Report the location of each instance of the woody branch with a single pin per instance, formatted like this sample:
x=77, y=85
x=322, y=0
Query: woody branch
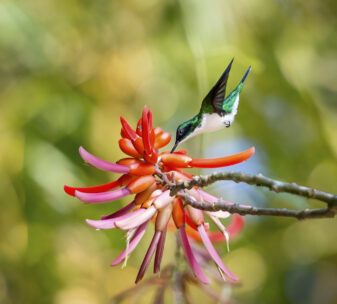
x=260, y=181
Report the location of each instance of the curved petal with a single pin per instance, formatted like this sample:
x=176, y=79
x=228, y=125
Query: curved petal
x=211, y=250
x=212, y=199
x=146, y=131
x=219, y=214
x=133, y=244
x=119, y=212
x=208, y=197
x=102, y=164
x=159, y=252
x=190, y=257
x=110, y=223
x=128, y=130
x=93, y=189
x=222, y=161
x=148, y=256
x=136, y=220
x=222, y=228
x=102, y=197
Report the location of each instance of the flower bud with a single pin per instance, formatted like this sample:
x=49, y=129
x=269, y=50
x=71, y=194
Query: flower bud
x=163, y=217
x=141, y=183
x=127, y=147
x=176, y=160
x=178, y=213
x=163, y=200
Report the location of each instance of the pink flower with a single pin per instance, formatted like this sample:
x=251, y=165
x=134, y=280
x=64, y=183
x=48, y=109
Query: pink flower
x=147, y=174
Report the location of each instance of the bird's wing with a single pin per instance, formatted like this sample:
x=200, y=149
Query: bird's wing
x=228, y=103
x=216, y=95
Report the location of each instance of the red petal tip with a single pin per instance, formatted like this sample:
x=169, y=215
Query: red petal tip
x=130, y=132
x=146, y=132
x=69, y=190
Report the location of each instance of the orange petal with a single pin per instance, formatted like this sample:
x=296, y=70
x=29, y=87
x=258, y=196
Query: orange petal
x=152, y=138
x=178, y=213
x=126, y=179
x=127, y=147
x=141, y=197
x=162, y=139
x=139, y=146
x=128, y=161
x=141, y=169
x=194, y=234
x=157, y=130
x=141, y=183
x=222, y=161
x=152, y=158
x=176, y=160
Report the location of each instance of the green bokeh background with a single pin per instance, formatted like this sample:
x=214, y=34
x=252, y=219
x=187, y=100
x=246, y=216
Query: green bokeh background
x=69, y=69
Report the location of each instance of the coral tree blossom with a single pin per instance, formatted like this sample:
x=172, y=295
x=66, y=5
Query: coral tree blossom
x=147, y=174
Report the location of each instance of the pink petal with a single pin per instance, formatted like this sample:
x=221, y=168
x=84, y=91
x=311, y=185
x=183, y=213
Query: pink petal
x=148, y=256
x=102, y=164
x=110, y=223
x=211, y=199
x=102, y=197
x=222, y=228
x=133, y=244
x=119, y=212
x=163, y=200
x=190, y=257
x=219, y=214
x=211, y=250
x=159, y=252
x=136, y=220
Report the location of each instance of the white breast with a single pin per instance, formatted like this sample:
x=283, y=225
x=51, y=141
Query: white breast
x=214, y=122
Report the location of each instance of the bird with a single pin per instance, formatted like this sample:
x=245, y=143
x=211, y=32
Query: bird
x=216, y=111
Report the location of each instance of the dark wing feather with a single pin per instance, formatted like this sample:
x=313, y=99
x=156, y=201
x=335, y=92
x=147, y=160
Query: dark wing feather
x=217, y=94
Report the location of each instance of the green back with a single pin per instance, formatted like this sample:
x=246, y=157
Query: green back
x=230, y=99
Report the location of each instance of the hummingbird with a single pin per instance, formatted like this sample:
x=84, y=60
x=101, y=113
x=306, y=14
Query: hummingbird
x=216, y=111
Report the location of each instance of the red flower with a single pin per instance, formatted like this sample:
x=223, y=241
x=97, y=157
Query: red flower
x=147, y=174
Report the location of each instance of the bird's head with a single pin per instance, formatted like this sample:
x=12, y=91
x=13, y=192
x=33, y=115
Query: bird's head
x=184, y=131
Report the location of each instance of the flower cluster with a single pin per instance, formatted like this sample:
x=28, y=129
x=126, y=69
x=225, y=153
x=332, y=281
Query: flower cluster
x=148, y=174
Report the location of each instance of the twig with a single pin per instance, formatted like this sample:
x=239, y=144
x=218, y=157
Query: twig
x=245, y=209
x=213, y=294
x=160, y=281
x=160, y=293
x=258, y=180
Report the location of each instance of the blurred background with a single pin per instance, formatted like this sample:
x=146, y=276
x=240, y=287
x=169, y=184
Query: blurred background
x=69, y=69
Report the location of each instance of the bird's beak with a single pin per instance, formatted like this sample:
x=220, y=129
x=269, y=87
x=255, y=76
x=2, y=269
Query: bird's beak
x=175, y=146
